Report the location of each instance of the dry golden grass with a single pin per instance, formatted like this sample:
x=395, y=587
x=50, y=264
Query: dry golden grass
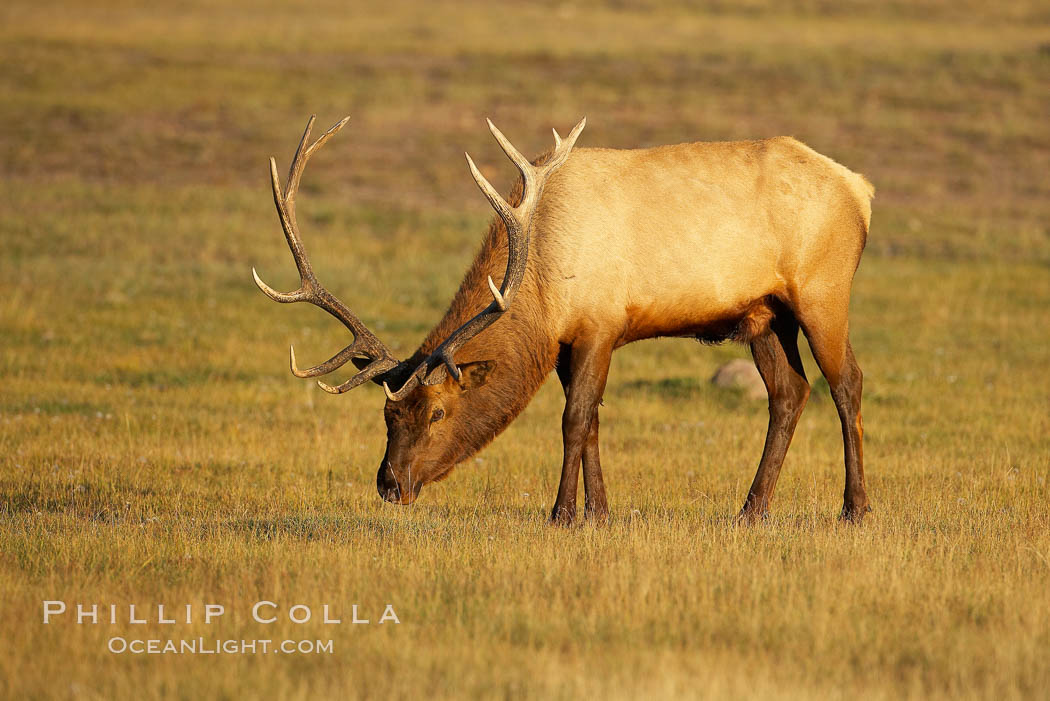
x=154, y=449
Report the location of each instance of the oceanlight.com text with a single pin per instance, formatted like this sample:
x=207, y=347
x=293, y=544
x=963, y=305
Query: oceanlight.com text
x=206, y=646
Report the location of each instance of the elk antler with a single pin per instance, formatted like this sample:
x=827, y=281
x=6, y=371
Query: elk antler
x=310, y=290
x=518, y=220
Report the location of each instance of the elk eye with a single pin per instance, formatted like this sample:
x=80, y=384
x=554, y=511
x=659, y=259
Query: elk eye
x=437, y=415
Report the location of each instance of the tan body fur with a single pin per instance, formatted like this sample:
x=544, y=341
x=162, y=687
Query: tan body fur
x=736, y=222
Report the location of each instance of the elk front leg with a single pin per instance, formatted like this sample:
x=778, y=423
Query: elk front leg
x=583, y=369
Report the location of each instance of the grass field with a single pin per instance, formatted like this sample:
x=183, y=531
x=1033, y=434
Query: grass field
x=155, y=449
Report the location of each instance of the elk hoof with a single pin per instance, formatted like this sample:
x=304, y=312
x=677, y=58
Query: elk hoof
x=598, y=515
x=563, y=516
x=750, y=515
x=853, y=514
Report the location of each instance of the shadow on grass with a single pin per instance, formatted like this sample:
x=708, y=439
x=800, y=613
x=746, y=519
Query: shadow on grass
x=311, y=527
x=682, y=388
x=722, y=517
x=105, y=503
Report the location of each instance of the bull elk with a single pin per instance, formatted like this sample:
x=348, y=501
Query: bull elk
x=595, y=248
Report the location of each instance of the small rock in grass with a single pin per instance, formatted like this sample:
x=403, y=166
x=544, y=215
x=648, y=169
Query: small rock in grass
x=741, y=375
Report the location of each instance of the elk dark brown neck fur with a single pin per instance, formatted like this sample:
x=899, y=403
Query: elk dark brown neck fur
x=519, y=344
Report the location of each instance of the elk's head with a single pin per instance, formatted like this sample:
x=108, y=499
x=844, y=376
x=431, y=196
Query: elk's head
x=431, y=417
x=431, y=430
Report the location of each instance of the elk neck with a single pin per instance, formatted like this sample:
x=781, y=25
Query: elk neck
x=520, y=343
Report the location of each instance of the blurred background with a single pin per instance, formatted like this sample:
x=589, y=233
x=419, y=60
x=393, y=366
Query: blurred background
x=153, y=444
x=942, y=104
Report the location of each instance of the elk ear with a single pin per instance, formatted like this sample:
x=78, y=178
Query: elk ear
x=475, y=374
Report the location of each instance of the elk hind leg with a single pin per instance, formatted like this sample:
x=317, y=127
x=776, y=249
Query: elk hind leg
x=829, y=339
x=777, y=359
x=596, y=504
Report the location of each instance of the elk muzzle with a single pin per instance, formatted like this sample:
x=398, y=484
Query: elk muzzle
x=394, y=491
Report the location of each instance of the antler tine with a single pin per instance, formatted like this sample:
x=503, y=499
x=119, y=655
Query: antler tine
x=528, y=171
x=495, y=199
x=332, y=364
x=518, y=222
x=295, y=170
x=410, y=384
x=369, y=373
x=497, y=295
x=282, y=297
x=295, y=244
x=562, y=147
x=310, y=290
x=574, y=134
x=285, y=201
x=298, y=164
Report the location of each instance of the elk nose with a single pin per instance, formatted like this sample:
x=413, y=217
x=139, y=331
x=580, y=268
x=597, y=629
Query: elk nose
x=387, y=485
